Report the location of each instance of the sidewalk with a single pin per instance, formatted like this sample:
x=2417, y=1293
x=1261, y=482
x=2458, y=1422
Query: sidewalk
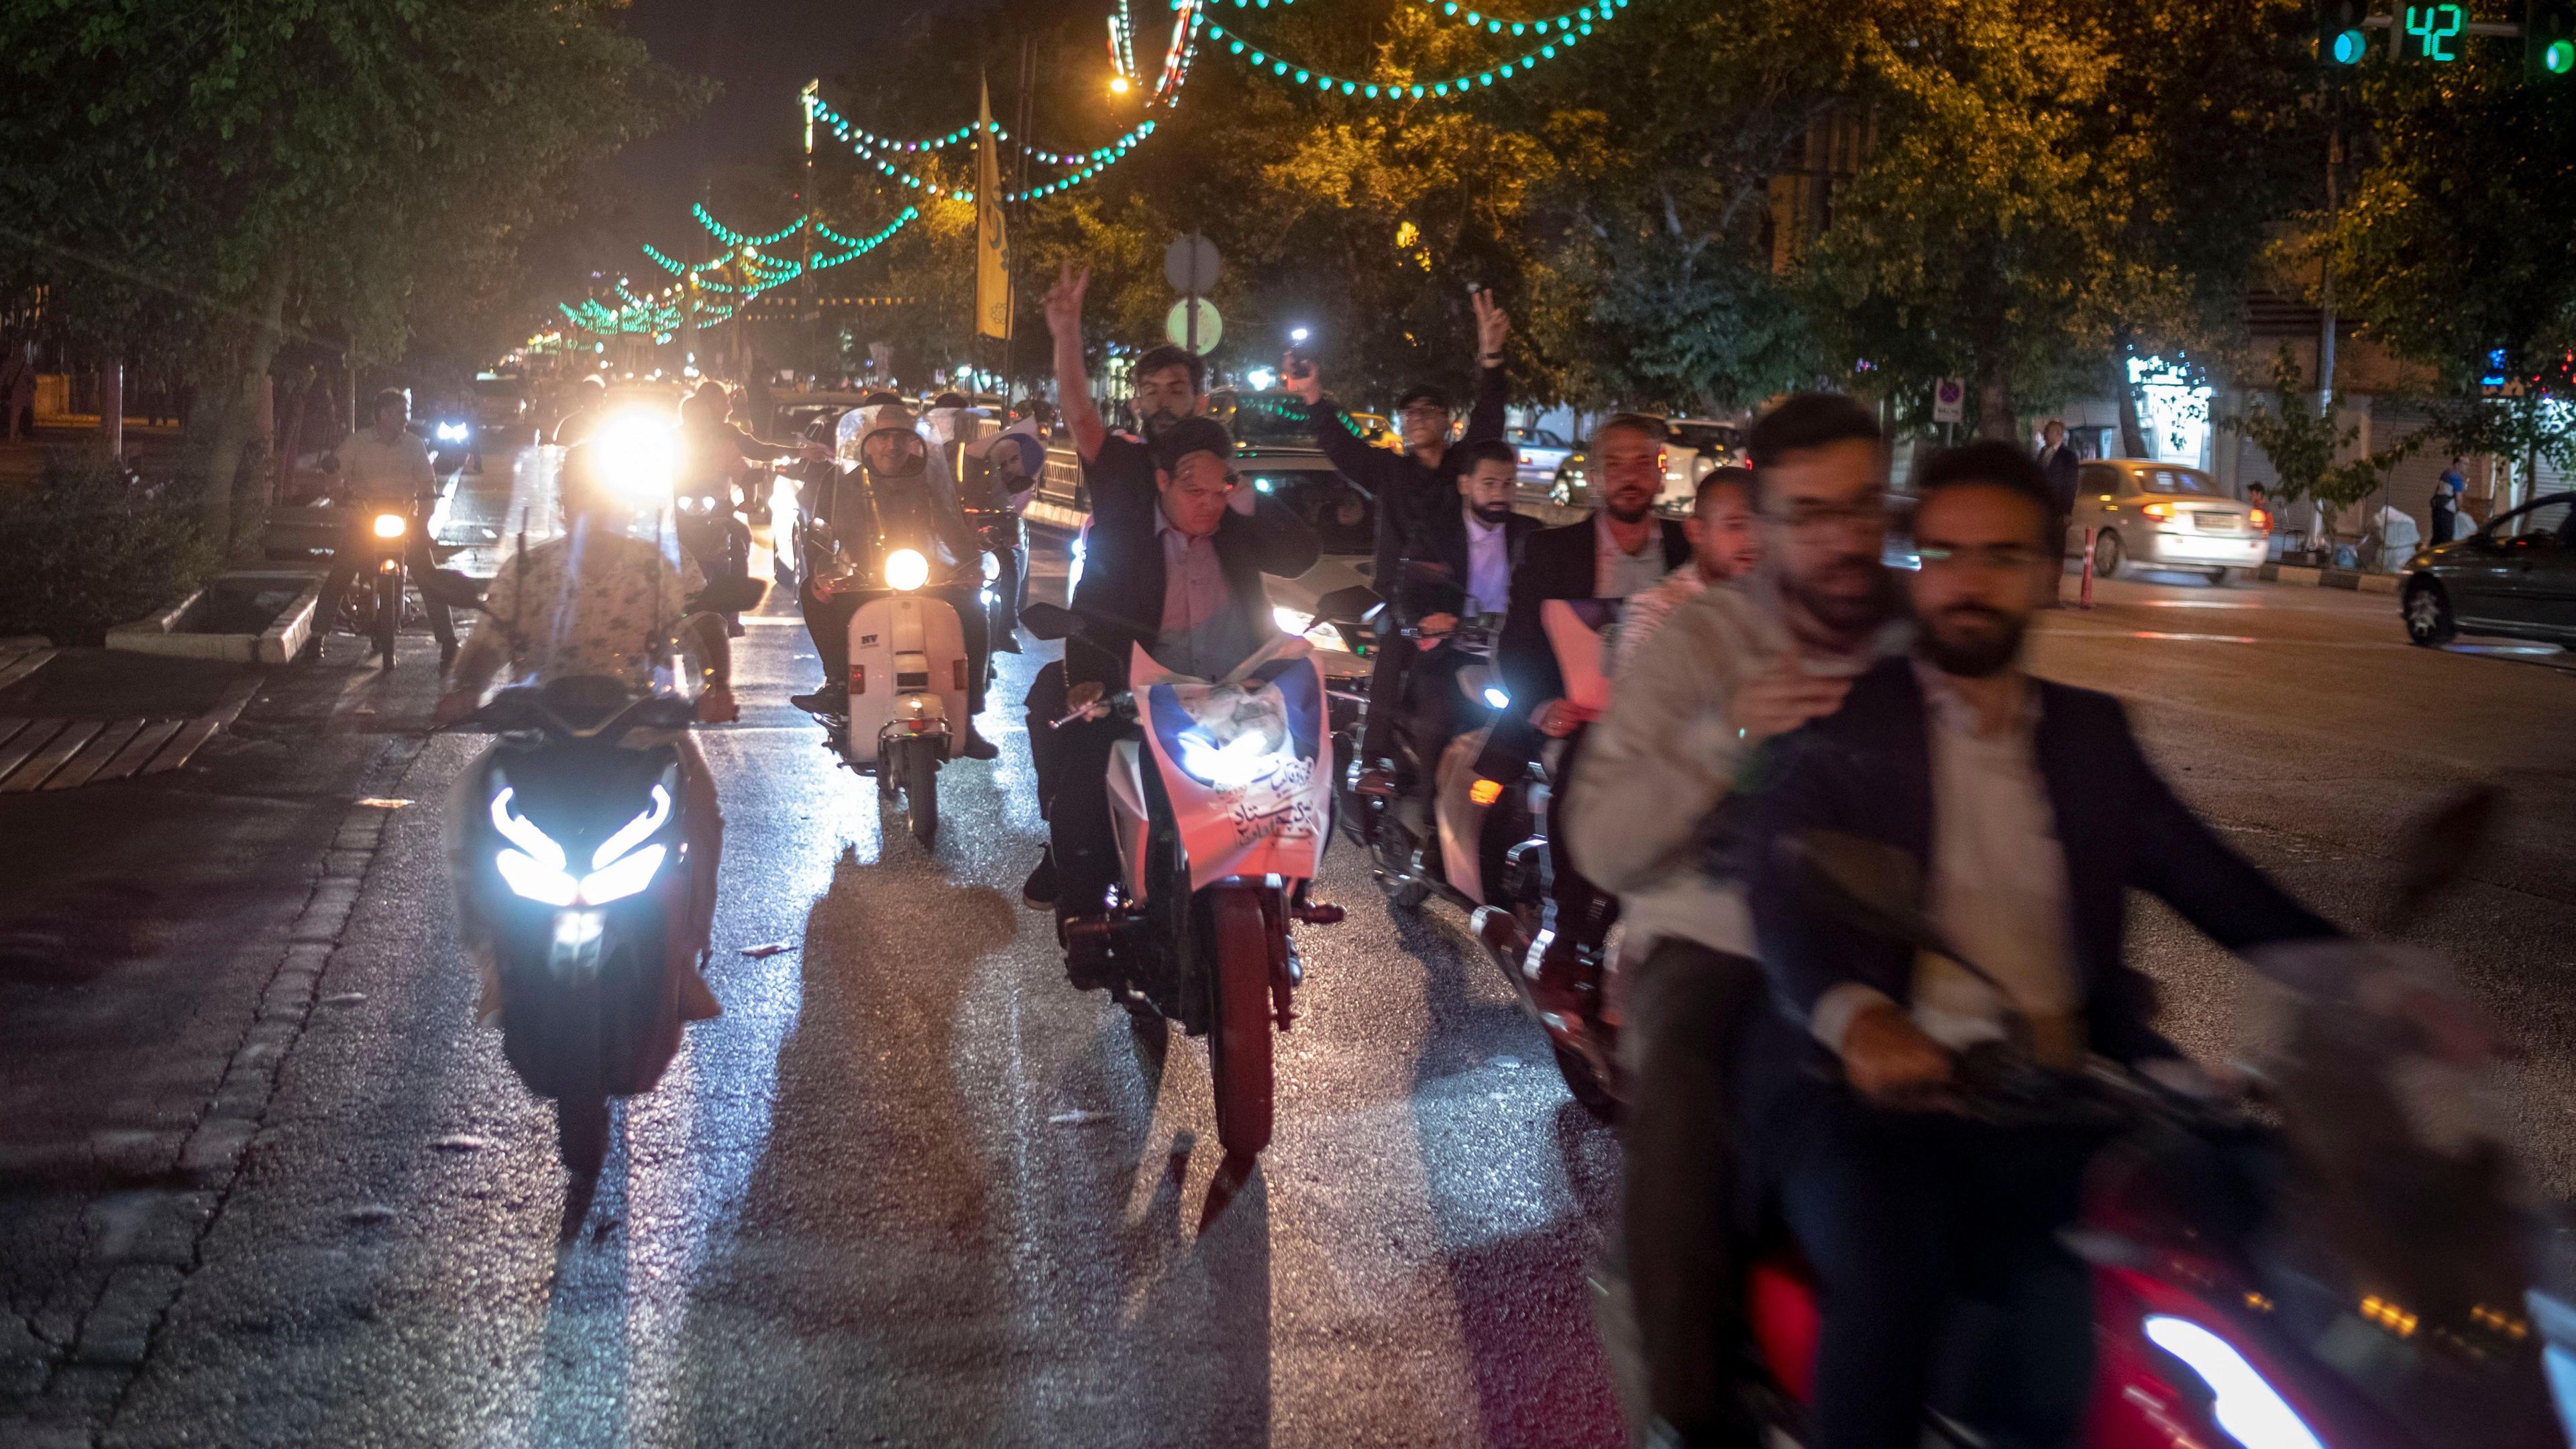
x=2367, y=583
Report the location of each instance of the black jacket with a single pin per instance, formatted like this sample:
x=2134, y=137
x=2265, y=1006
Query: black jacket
x=1554, y=563
x=1867, y=771
x=1435, y=579
x=1122, y=570
x=2061, y=465
x=1406, y=493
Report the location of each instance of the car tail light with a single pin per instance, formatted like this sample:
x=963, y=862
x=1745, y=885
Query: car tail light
x=858, y=679
x=2158, y=510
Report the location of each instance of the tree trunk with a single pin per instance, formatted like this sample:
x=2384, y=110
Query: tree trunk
x=2133, y=433
x=1995, y=418
x=232, y=379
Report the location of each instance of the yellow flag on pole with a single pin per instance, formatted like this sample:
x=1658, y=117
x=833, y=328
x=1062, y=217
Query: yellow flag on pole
x=992, y=241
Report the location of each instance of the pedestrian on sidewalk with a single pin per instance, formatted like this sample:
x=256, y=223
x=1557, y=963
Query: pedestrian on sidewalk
x=2058, y=461
x=2446, y=503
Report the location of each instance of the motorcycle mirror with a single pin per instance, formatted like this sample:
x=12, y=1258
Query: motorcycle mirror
x=1347, y=606
x=2436, y=846
x=729, y=596
x=1049, y=621
x=453, y=589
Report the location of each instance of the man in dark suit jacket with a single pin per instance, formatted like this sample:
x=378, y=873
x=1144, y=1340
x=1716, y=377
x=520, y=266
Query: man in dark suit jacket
x=2030, y=810
x=1458, y=565
x=1623, y=548
x=1179, y=573
x=2061, y=464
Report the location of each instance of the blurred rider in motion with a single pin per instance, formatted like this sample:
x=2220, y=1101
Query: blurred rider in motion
x=1726, y=667
x=385, y=467
x=2029, y=810
x=598, y=601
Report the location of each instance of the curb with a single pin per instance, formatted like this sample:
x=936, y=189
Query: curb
x=2329, y=578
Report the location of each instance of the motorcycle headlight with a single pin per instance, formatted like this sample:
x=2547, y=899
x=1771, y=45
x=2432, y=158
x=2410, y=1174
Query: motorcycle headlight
x=535, y=868
x=2249, y=1409
x=906, y=569
x=391, y=525
x=638, y=454
x=1497, y=697
x=1232, y=765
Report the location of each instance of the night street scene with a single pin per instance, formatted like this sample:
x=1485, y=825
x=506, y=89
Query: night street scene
x=1840, y=725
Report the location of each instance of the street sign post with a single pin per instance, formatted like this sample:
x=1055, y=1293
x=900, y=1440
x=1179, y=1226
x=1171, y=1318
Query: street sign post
x=1949, y=401
x=1191, y=265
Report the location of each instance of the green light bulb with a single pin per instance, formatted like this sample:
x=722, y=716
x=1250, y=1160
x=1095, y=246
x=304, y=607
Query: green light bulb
x=2559, y=57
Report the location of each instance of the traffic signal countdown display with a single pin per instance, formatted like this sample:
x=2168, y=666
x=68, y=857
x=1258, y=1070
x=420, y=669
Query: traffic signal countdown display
x=2438, y=34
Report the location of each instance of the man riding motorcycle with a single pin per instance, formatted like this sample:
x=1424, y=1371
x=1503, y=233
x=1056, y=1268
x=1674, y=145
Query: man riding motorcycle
x=1732, y=665
x=897, y=464
x=2027, y=809
x=1459, y=566
x=598, y=602
x=384, y=467
x=1412, y=487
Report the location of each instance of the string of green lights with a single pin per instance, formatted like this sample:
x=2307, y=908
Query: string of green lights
x=1113, y=153
x=1562, y=39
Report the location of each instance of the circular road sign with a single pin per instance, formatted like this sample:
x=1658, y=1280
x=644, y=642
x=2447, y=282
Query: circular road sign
x=1176, y=325
x=1190, y=264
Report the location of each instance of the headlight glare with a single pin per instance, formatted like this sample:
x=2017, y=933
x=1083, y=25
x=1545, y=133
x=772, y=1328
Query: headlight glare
x=629, y=875
x=2249, y=1409
x=391, y=525
x=906, y=569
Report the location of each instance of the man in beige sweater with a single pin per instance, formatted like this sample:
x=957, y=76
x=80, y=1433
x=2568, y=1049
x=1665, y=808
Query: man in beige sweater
x=1736, y=664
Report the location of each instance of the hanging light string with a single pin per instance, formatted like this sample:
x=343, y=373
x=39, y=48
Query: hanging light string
x=1105, y=157
x=1187, y=15
x=1492, y=25
x=860, y=136
x=1561, y=38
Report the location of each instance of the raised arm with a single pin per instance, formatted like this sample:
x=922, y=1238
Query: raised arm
x=1352, y=458
x=1485, y=416
x=1072, y=385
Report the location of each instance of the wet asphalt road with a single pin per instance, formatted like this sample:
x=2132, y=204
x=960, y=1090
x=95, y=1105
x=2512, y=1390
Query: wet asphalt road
x=266, y=1184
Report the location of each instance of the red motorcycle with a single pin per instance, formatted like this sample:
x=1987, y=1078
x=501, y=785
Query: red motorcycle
x=2346, y=1279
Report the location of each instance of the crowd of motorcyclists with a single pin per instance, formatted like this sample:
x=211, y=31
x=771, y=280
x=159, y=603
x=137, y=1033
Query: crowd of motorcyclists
x=1768, y=678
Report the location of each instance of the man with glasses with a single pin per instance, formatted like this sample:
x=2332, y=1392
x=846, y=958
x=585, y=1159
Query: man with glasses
x=1731, y=666
x=1412, y=489
x=2031, y=811
x=1622, y=549
x=1182, y=577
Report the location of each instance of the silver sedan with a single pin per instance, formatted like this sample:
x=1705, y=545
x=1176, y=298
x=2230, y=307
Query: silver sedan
x=2160, y=516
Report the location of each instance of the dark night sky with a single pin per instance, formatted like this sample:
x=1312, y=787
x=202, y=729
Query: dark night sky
x=761, y=51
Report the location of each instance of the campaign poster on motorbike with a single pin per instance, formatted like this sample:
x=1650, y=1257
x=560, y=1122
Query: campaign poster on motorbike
x=1248, y=765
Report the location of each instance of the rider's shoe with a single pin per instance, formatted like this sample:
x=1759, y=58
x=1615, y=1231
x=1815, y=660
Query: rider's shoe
x=821, y=701
x=976, y=747
x=1038, y=891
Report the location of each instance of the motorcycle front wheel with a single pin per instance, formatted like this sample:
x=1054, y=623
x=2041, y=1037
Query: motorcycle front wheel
x=1239, y=1035
x=581, y=1132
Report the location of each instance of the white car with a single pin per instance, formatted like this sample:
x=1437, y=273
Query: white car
x=1541, y=452
x=2161, y=516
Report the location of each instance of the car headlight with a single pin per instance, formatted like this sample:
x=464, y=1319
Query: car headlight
x=2250, y=1410
x=1230, y=766
x=906, y=569
x=451, y=432
x=534, y=869
x=391, y=525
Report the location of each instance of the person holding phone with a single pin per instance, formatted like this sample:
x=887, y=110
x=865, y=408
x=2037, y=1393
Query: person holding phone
x=1410, y=487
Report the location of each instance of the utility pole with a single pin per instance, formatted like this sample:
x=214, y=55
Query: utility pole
x=1023, y=113
x=813, y=315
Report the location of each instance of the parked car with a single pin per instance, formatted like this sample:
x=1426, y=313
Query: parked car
x=1541, y=451
x=2515, y=577
x=501, y=409
x=2161, y=516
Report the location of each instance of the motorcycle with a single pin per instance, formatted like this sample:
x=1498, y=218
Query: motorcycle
x=907, y=685
x=1220, y=806
x=2350, y=1277
x=451, y=442
x=575, y=855
x=1439, y=826
x=377, y=591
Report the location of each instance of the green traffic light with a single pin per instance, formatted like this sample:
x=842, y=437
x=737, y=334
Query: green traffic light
x=2559, y=58
x=2349, y=47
